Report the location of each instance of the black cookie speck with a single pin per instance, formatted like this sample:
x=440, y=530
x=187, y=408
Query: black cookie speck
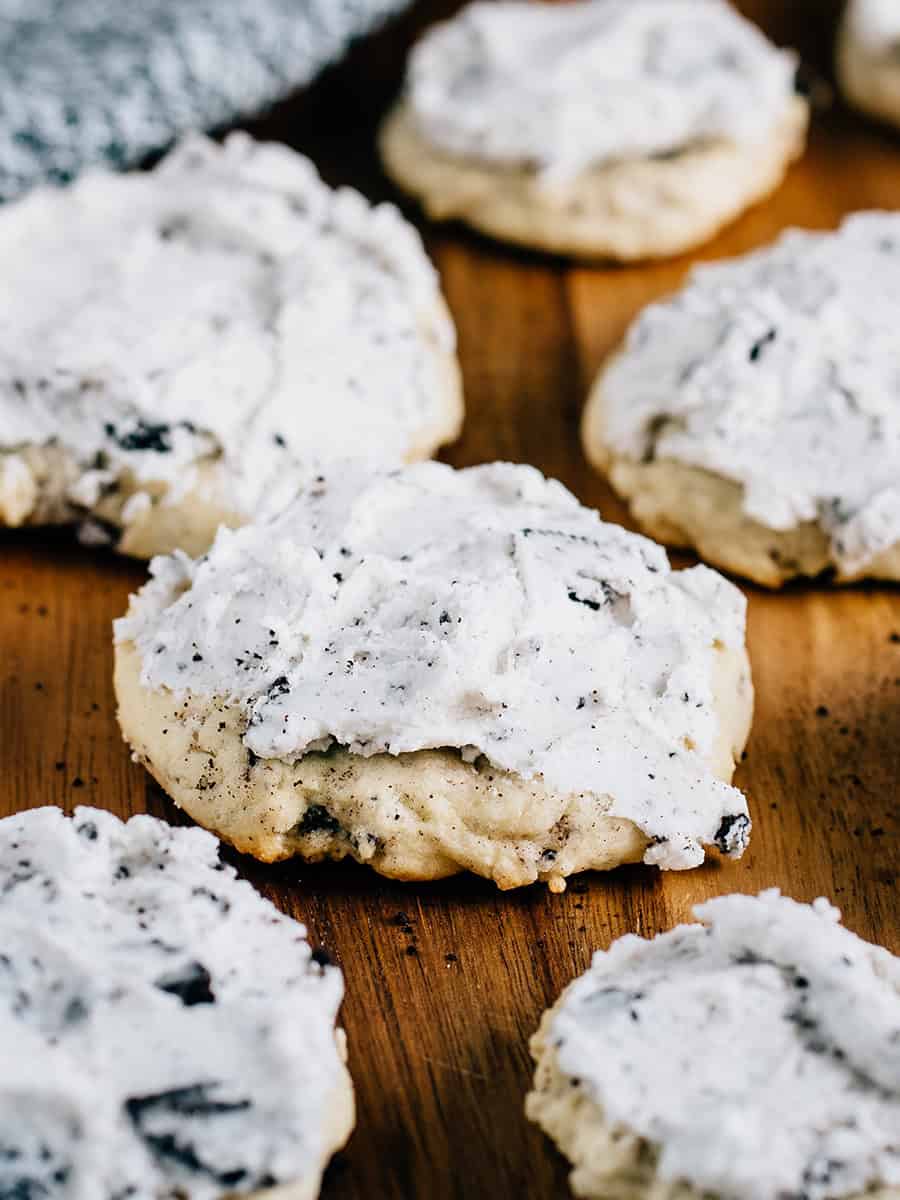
x=150, y=1116
x=733, y=834
x=191, y=984
x=317, y=819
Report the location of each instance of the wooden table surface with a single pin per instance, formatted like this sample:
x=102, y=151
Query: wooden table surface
x=446, y=982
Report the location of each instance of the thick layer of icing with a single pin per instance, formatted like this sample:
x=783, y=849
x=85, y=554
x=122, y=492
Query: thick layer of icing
x=483, y=610
x=779, y=371
x=162, y=1027
x=760, y=1054
x=875, y=24
x=226, y=305
x=564, y=87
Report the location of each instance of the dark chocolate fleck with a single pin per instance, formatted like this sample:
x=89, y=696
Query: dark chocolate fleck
x=317, y=819
x=191, y=984
x=733, y=833
x=760, y=344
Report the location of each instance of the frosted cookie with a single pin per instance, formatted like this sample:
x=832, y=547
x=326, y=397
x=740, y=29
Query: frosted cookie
x=755, y=415
x=164, y=1031
x=177, y=347
x=435, y=670
x=622, y=129
x=752, y=1057
x=868, y=57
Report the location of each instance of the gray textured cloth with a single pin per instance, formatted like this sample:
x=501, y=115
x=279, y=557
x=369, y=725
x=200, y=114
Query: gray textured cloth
x=87, y=81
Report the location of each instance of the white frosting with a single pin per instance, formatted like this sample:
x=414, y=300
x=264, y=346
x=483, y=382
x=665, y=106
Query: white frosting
x=226, y=305
x=563, y=87
x=779, y=371
x=760, y=1055
x=162, y=1027
x=875, y=24
x=483, y=610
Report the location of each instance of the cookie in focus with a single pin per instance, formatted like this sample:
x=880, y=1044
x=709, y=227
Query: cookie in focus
x=432, y=671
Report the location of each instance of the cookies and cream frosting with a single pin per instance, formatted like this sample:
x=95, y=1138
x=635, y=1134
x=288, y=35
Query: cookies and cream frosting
x=566, y=87
x=163, y=1029
x=225, y=307
x=484, y=611
x=779, y=371
x=758, y=1053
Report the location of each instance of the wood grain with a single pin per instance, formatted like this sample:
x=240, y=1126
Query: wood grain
x=446, y=982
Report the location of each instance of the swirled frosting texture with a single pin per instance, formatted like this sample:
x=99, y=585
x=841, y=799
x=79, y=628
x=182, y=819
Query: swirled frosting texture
x=226, y=306
x=779, y=371
x=564, y=87
x=163, y=1029
x=758, y=1053
x=483, y=610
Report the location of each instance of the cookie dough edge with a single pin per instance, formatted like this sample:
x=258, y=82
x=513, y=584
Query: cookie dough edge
x=340, y=1110
x=608, y=1163
x=626, y=212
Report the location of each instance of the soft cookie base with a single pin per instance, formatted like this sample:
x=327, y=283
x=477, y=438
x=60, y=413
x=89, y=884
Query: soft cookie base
x=687, y=506
x=417, y=816
x=627, y=211
x=609, y=1163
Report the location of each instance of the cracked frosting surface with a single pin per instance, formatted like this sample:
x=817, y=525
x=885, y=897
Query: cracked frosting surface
x=566, y=87
x=163, y=1029
x=758, y=1053
x=781, y=372
x=482, y=610
x=227, y=307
